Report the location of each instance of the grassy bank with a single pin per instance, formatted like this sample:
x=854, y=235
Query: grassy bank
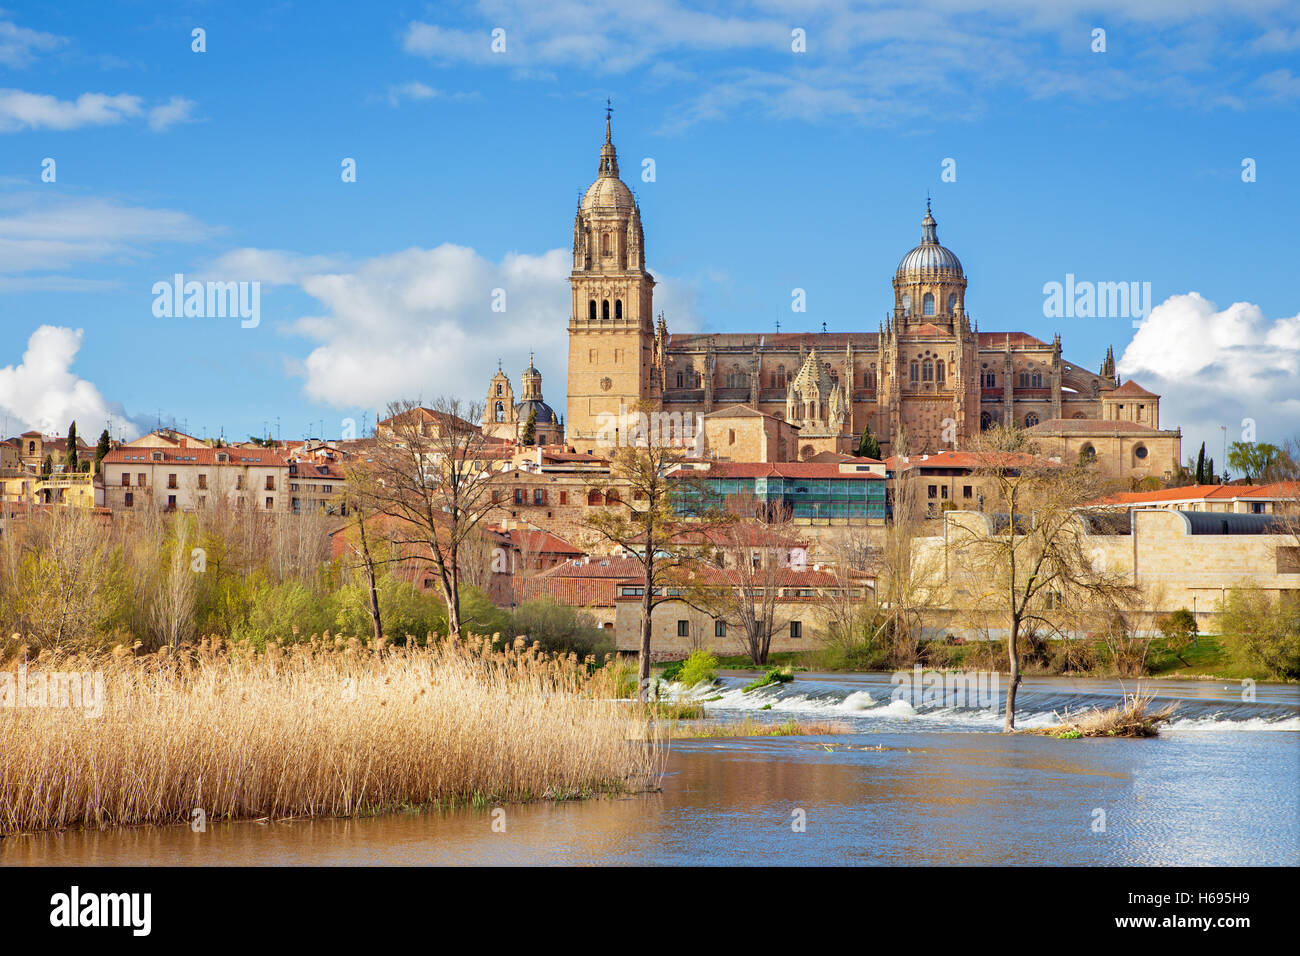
x=1206, y=659
x=315, y=730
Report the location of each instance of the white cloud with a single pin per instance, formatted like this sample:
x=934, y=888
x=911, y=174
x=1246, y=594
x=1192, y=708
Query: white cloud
x=20, y=110
x=414, y=90
x=419, y=323
x=877, y=63
x=40, y=232
x=23, y=110
x=1217, y=367
x=43, y=392
x=19, y=46
x=177, y=110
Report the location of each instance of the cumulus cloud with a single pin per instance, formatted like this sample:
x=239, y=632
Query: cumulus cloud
x=43, y=392
x=421, y=323
x=1217, y=367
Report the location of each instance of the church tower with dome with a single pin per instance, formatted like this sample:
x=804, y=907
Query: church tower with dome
x=925, y=382
x=611, y=329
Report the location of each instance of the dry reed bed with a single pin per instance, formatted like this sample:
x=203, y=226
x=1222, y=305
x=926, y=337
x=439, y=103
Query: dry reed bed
x=1132, y=717
x=316, y=729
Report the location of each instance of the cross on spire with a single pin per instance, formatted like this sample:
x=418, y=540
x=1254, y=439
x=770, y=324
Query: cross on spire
x=609, y=109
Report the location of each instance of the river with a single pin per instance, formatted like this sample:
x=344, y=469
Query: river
x=906, y=785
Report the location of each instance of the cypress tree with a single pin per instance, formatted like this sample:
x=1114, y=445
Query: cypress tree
x=70, y=458
x=530, y=428
x=102, y=449
x=1201, y=478
x=868, y=447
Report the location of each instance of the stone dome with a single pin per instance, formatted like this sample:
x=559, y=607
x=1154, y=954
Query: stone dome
x=608, y=194
x=545, y=414
x=929, y=256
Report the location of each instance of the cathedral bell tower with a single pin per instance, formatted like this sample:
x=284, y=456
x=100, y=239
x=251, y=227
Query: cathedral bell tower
x=611, y=327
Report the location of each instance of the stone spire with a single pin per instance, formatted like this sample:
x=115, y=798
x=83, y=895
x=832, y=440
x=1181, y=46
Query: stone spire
x=608, y=157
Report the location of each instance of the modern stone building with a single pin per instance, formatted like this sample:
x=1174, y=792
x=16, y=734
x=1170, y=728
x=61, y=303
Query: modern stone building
x=927, y=372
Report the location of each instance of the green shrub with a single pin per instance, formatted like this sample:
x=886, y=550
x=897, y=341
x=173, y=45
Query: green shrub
x=699, y=668
x=774, y=675
x=1259, y=631
x=559, y=628
x=672, y=671
x=1179, y=631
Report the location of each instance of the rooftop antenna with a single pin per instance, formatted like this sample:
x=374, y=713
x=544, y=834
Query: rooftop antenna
x=778, y=324
x=823, y=327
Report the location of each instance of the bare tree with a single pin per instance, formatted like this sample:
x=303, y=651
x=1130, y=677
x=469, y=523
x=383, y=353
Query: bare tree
x=431, y=477
x=649, y=511
x=739, y=583
x=1029, y=561
x=171, y=610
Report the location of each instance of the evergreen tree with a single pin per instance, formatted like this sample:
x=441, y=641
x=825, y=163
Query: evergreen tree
x=70, y=458
x=47, y=467
x=1201, y=477
x=102, y=448
x=530, y=428
x=868, y=447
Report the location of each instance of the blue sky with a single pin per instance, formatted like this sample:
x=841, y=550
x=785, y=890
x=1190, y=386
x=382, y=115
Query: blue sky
x=774, y=170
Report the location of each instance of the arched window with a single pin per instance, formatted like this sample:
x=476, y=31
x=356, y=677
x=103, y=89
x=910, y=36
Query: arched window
x=680, y=376
x=593, y=497
x=591, y=311
x=927, y=304
x=604, y=244
x=916, y=372
x=907, y=304
x=499, y=388
x=604, y=308
x=988, y=379
x=869, y=378
x=735, y=377
x=1140, y=452
x=1031, y=420
x=1036, y=379
x=1024, y=379
x=986, y=421
x=780, y=376
x=939, y=372
x=618, y=308
x=835, y=377
x=501, y=411
x=1087, y=453
x=927, y=371
x=611, y=497
x=952, y=302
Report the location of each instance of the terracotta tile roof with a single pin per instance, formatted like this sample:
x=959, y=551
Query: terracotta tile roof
x=739, y=410
x=596, y=567
x=202, y=455
x=1131, y=388
x=991, y=340
x=783, y=469
x=312, y=469
x=537, y=541
x=964, y=459
x=1281, y=490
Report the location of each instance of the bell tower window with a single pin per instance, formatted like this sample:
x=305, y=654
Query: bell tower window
x=927, y=304
x=604, y=309
x=591, y=310
x=501, y=411
x=618, y=308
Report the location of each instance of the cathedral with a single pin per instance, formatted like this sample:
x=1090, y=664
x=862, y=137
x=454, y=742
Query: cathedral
x=928, y=377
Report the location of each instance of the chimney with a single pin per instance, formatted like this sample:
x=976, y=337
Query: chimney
x=182, y=442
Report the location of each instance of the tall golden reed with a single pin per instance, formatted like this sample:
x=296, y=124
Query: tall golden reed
x=320, y=728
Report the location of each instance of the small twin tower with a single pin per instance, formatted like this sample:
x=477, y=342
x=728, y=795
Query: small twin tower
x=506, y=419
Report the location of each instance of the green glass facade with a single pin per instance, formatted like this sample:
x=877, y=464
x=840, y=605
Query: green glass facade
x=846, y=497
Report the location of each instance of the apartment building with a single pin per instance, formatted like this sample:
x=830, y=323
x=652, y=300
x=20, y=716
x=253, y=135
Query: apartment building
x=188, y=478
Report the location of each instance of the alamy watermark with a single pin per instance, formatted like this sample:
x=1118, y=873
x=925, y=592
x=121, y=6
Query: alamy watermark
x=1084, y=299
x=79, y=690
x=208, y=300
x=967, y=689
x=633, y=429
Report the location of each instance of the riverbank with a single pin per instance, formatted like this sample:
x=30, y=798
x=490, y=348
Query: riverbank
x=1205, y=660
